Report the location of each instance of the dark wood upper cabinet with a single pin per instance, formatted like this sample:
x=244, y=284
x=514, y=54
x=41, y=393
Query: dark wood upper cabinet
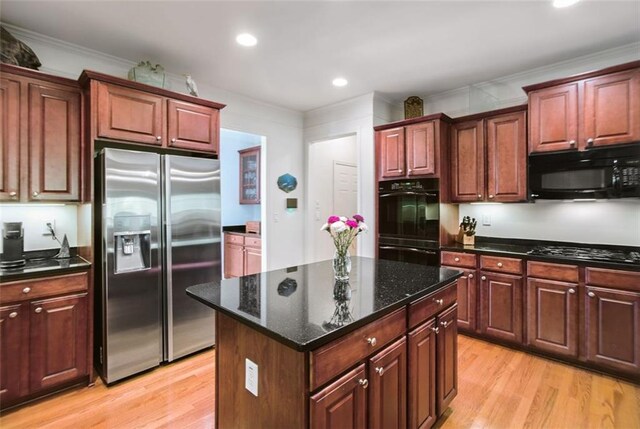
x=249, y=186
x=10, y=141
x=421, y=149
x=447, y=355
x=54, y=142
x=191, y=126
x=467, y=161
x=612, y=109
x=507, y=157
x=13, y=351
x=501, y=306
x=388, y=387
x=342, y=404
x=391, y=148
x=422, y=376
x=130, y=115
x=597, y=108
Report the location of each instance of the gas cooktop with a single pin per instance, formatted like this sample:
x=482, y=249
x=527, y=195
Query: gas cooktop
x=587, y=253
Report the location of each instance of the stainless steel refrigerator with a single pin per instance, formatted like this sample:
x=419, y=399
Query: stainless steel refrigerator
x=158, y=233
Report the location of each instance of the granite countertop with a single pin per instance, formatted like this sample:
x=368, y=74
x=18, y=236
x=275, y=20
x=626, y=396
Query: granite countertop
x=521, y=248
x=239, y=230
x=296, y=305
x=44, y=267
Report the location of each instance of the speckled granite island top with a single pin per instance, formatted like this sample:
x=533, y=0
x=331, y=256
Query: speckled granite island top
x=296, y=306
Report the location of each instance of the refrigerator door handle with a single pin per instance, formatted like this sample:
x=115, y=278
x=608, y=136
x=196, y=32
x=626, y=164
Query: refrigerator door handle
x=168, y=263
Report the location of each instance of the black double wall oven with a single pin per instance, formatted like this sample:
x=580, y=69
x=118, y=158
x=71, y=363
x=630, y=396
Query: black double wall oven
x=409, y=221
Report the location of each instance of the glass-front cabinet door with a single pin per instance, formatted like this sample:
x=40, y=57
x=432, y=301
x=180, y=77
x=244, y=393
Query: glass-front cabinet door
x=250, y=175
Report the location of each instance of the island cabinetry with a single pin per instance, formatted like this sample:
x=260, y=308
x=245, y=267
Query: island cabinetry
x=612, y=313
x=552, y=307
x=501, y=298
x=45, y=336
x=467, y=287
x=342, y=404
x=388, y=387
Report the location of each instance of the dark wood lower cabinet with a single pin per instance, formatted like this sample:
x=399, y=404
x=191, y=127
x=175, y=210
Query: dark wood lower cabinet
x=422, y=367
x=388, y=387
x=447, y=358
x=501, y=306
x=13, y=331
x=613, y=328
x=552, y=316
x=342, y=404
x=467, y=299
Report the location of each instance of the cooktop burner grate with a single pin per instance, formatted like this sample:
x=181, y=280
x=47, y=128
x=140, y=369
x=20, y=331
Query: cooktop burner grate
x=587, y=253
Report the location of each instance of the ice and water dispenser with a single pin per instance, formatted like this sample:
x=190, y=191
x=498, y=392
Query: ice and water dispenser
x=132, y=243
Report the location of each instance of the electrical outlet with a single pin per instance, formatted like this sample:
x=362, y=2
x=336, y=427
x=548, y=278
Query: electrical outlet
x=45, y=229
x=486, y=219
x=251, y=376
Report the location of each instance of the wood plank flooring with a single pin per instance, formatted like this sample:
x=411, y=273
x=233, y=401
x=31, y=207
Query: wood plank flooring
x=498, y=388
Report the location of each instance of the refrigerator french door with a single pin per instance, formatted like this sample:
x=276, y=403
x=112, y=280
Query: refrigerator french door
x=159, y=234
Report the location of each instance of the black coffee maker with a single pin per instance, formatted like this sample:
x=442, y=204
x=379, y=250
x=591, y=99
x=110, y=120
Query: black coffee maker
x=12, y=245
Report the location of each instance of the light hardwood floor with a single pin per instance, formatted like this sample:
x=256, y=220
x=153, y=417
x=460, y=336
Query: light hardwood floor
x=498, y=388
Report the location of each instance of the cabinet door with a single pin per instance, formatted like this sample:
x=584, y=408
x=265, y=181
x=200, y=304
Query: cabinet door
x=467, y=161
x=613, y=328
x=9, y=138
x=553, y=118
x=501, y=306
x=58, y=340
x=552, y=316
x=466, y=299
x=192, y=127
x=447, y=358
x=252, y=260
x=249, y=176
x=233, y=260
x=422, y=376
x=507, y=157
x=130, y=115
x=391, y=147
x=388, y=387
x=421, y=149
x=612, y=109
x=13, y=352
x=342, y=404
x=54, y=142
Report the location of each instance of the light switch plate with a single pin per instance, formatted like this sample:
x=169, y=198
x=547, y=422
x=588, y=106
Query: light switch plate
x=486, y=219
x=251, y=376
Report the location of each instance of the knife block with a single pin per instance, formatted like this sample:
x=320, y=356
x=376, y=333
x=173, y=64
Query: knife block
x=467, y=240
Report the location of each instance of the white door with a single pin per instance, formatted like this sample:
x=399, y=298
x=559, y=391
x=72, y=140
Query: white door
x=345, y=192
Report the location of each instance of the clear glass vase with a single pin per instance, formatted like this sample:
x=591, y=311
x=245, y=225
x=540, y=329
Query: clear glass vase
x=341, y=265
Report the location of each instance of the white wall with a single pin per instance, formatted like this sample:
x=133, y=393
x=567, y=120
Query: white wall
x=322, y=156
x=35, y=216
x=234, y=213
x=281, y=127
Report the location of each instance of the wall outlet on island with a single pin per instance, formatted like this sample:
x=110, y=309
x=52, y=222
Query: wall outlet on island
x=486, y=219
x=251, y=376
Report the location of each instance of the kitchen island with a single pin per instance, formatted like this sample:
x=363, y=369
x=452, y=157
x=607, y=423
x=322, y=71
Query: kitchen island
x=295, y=349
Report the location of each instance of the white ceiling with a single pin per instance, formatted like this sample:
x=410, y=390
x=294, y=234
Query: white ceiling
x=395, y=48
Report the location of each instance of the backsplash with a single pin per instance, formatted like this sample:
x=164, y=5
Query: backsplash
x=598, y=222
x=34, y=217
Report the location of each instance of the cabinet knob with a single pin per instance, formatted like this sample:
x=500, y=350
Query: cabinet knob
x=499, y=264
x=590, y=141
x=444, y=324
x=591, y=295
x=456, y=259
x=409, y=171
x=479, y=195
x=173, y=140
x=13, y=315
x=470, y=276
x=490, y=196
x=400, y=171
x=380, y=370
x=158, y=138
x=436, y=329
x=35, y=194
x=572, y=143
x=372, y=341
x=572, y=290
x=483, y=277
x=439, y=301
x=364, y=383
x=38, y=310
x=26, y=290
x=13, y=194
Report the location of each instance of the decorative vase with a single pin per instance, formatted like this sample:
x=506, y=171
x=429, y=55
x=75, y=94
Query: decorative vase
x=341, y=266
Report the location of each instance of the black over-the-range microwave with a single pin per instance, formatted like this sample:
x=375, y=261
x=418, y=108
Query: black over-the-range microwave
x=601, y=173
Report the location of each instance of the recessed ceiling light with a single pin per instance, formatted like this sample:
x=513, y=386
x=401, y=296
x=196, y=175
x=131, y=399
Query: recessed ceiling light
x=340, y=81
x=246, y=39
x=564, y=3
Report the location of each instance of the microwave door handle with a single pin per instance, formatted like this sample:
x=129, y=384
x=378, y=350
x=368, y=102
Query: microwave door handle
x=410, y=249
x=394, y=194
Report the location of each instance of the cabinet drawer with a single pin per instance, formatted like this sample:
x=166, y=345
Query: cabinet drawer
x=430, y=305
x=332, y=359
x=252, y=242
x=233, y=238
x=29, y=289
x=546, y=270
x=501, y=264
x=613, y=278
x=458, y=259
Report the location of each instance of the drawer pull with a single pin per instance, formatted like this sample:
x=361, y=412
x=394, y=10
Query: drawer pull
x=499, y=264
x=470, y=276
x=483, y=277
x=158, y=138
x=26, y=290
x=436, y=329
x=13, y=194
x=364, y=383
x=380, y=370
x=572, y=290
x=173, y=140
x=38, y=310
x=591, y=295
x=372, y=341
x=444, y=324
x=13, y=315
x=456, y=259
x=35, y=194
x=439, y=301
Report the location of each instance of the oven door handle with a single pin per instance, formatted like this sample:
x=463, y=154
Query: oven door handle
x=395, y=194
x=410, y=249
